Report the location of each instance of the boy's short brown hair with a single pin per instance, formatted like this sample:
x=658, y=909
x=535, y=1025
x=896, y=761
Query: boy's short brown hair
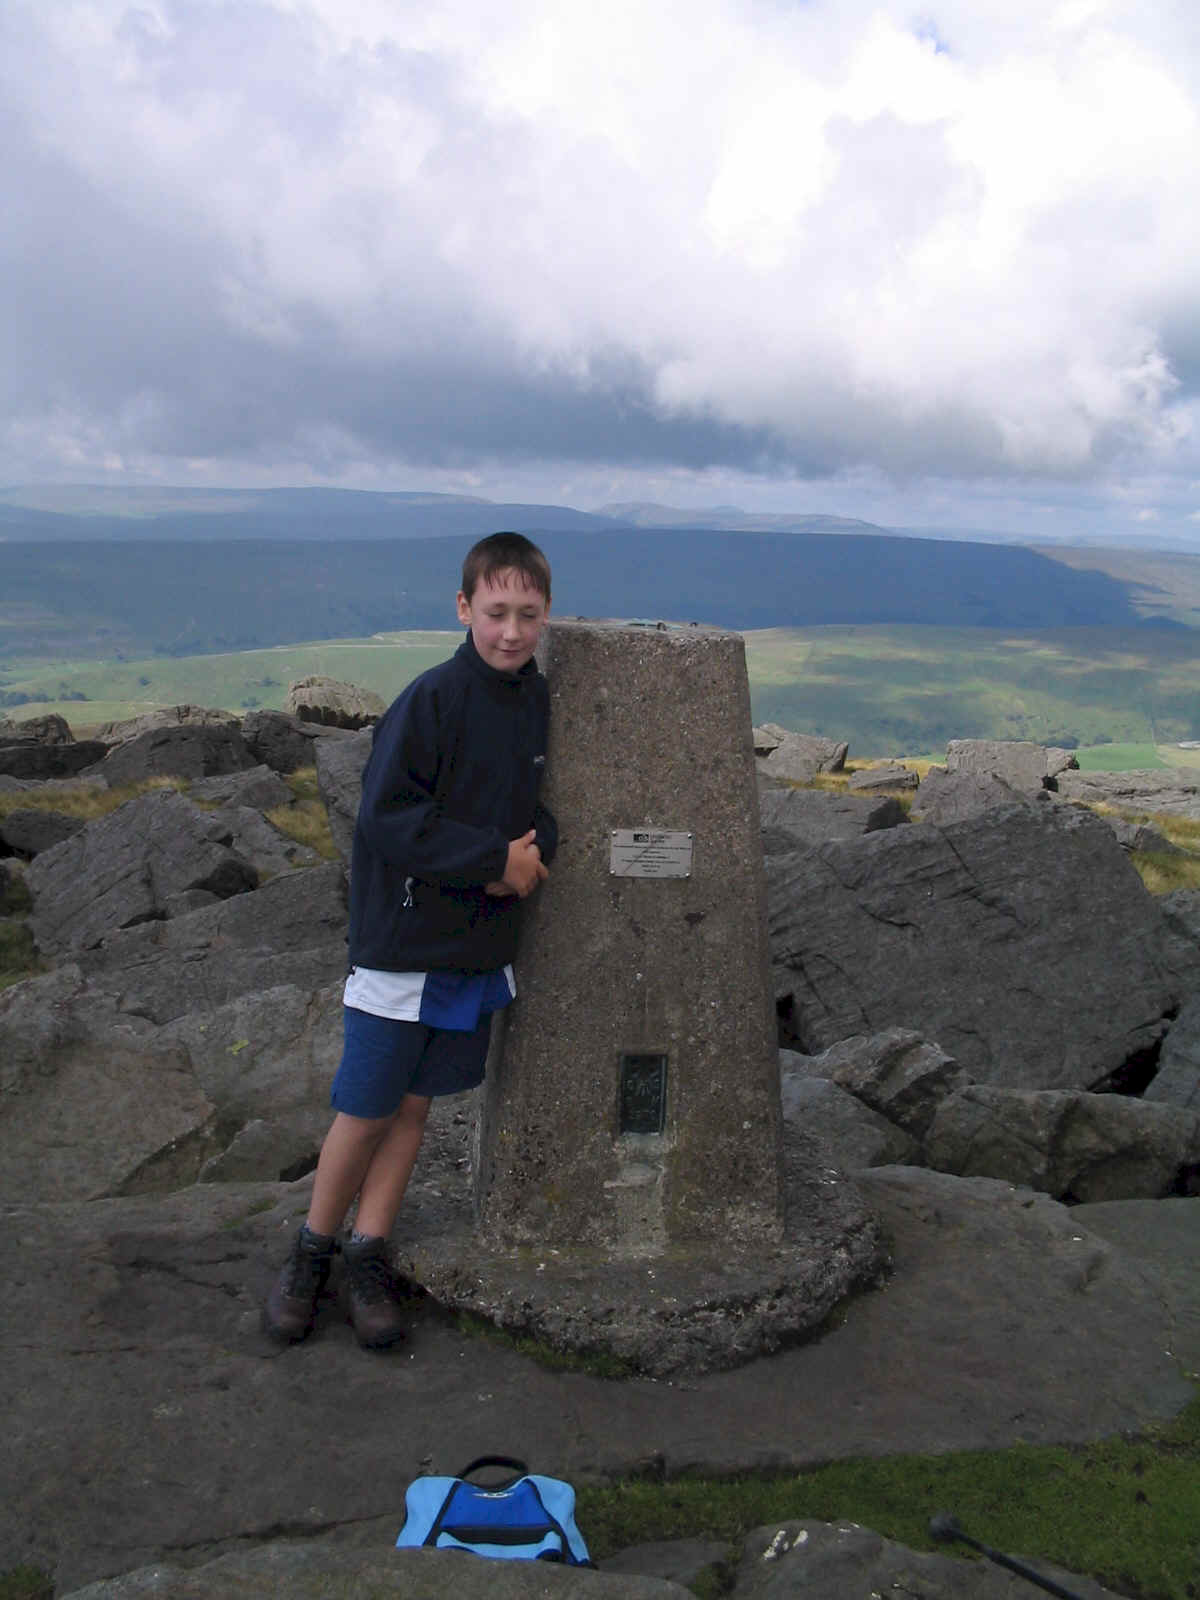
x=506, y=552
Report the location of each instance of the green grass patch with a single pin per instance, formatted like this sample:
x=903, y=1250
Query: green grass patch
x=26, y=1583
x=1120, y=758
x=238, y=681
x=1122, y=1510
x=86, y=803
x=887, y=690
x=892, y=690
x=18, y=953
x=306, y=820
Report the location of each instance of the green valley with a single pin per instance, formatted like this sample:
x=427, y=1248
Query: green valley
x=887, y=689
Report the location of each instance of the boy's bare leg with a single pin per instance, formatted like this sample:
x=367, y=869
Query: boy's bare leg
x=391, y=1167
x=372, y=1157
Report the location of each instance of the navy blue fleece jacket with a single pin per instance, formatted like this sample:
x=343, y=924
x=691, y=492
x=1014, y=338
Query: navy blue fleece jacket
x=453, y=775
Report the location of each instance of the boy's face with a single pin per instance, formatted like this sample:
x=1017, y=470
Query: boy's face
x=506, y=618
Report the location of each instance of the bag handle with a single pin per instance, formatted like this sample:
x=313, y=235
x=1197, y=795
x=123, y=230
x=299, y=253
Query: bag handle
x=519, y=1469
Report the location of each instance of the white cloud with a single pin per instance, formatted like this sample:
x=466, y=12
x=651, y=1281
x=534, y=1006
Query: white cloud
x=819, y=238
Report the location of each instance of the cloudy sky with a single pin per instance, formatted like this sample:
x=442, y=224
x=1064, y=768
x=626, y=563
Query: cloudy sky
x=927, y=265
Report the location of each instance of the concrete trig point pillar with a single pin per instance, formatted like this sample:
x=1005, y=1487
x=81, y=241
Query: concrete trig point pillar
x=628, y=1190
x=633, y=1103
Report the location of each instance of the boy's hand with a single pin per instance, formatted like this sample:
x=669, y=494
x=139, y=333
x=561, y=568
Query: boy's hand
x=523, y=870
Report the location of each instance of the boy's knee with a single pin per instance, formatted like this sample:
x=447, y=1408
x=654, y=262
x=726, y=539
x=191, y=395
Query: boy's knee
x=362, y=1130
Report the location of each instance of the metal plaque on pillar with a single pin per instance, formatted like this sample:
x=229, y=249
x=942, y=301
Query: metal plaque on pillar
x=650, y=853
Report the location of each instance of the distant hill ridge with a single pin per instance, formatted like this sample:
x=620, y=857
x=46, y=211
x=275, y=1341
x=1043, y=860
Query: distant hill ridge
x=186, y=596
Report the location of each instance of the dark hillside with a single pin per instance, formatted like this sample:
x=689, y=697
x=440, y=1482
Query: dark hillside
x=190, y=597
x=323, y=515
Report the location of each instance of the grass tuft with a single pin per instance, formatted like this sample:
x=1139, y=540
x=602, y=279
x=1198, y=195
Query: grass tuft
x=26, y=1583
x=1162, y=872
x=85, y=803
x=306, y=820
x=1121, y=1510
x=18, y=953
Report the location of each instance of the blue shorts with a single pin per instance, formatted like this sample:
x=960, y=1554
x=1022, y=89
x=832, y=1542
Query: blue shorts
x=383, y=1060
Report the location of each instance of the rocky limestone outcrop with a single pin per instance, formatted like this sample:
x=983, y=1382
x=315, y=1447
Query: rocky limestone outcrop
x=153, y=1426
x=950, y=796
x=896, y=1074
x=796, y=757
x=195, y=1051
x=889, y=776
x=796, y=818
x=283, y=742
x=1020, y=763
x=24, y=754
x=1177, y=1081
x=1174, y=792
x=333, y=703
x=184, y=716
x=1070, y=1144
x=193, y=750
x=26, y=833
x=1021, y=941
x=851, y=1134
x=127, y=867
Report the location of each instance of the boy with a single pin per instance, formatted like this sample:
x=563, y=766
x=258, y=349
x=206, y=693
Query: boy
x=450, y=839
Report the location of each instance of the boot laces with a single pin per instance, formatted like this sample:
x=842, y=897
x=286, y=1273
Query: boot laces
x=373, y=1280
x=306, y=1270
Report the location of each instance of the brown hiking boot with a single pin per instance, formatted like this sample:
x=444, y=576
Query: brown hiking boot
x=373, y=1295
x=291, y=1307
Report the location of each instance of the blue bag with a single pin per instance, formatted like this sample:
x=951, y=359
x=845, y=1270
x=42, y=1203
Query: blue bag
x=523, y=1518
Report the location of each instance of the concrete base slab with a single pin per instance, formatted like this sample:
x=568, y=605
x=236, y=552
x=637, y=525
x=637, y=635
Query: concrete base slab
x=688, y=1309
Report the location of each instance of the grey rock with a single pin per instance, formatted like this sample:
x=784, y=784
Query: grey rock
x=793, y=818
x=675, y=1560
x=33, y=830
x=192, y=750
x=244, y=830
x=266, y=1151
x=269, y=1055
x=187, y=901
x=1160, y=1235
x=1142, y=836
x=259, y=786
x=799, y=757
x=49, y=729
x=339, y=781
x=1072, y=1145
x=292, y=930
x=35, y=760
x=123, y=868
x=148, y=1355
x=1019, y=762
x=185, y=716
x=824, y=1561
x=951, y=796
x=283, y=742
x=300, y=1570
x=335, y=704
x=889, y=776
x=768, y=737
x=1021, y=940
x=1173, y=791
x=896, y=1073
x=1177, y=1081
x=72, y=1064
x=1181, y=907
x=853, y=1135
